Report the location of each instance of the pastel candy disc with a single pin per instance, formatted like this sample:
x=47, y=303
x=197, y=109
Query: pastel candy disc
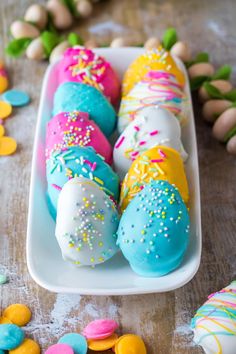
x=128, y=341
x=2, y=130
x=103, y=344
x=16, y=98
x=11, y=336
x=7, y=145
x=59, y=349
x=5, y=109
x=19, y=314
x=76, y=341
x=28, y=346
x=100, y=329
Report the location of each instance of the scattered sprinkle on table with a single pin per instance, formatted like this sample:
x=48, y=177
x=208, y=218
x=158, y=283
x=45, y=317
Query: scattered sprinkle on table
x=16, y=98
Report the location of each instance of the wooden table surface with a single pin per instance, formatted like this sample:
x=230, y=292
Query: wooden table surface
x=161, y=319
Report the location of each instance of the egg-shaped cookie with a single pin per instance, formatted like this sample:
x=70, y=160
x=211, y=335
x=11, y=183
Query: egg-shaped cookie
x=76, y=129
x=78, y=162
x=87, y=222
x=153, y=232
x=73, y=96
x=157, y=163
x=151, y=60
x=152, y=126
x=157, y=88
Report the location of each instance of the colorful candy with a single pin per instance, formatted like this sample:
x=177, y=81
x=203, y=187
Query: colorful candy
x=76, y=341
x=16, y=98
x=3, y=78
x=130, y=343
x=28, y=346
x=8, y=145
x=5, y=109
x=18, y=314
x=103, y=344
x=100, y=329
x=59, y=348
x=11, y=336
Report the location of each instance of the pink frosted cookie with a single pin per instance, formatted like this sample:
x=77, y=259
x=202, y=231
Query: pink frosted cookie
x=83, y=65
x=100, y=329
x=76, y=129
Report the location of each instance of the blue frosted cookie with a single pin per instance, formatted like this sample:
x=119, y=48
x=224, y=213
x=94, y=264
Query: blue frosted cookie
x=71, y=96
x=153, y=232
x=78, y=161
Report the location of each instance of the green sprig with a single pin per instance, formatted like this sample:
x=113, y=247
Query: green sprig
x=17, y=47
x=169, y=38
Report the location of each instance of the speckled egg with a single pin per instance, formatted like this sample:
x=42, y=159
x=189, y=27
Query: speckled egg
x=78, y=161
x=87, y=222
x=153, y=232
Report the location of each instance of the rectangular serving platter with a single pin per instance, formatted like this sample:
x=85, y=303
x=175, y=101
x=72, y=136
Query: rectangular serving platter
x=114, y=277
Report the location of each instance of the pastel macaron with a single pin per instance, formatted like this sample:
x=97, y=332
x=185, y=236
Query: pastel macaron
x=76, y=341
x=73, y=96
x=28, y=346
x=59, y=348
x=85, y=66
x=128, y=341
x=100, y=329
x=11, y=336
x=3, y=78
x=19, y=314
x=76, y=129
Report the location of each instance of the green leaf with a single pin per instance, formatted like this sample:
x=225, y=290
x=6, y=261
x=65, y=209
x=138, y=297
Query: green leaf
x=49, y=40
x=202, y=57
x=231, y=95
x=74, y=39
x=169, y=38
x=223, y=73
x=197, y=82
x=212, y=91
x=17, y=47
x=230, y=134
x=50, y=26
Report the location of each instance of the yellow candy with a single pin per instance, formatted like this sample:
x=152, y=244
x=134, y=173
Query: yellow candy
x=19, y=314
x=8, y=145
x=27, y=347
x=158, y=163
x=5, y=109
x=3, y=78
x=4, y=320
x=2, y=130
x=130, y=344
x=103, y=344
x=156, y=59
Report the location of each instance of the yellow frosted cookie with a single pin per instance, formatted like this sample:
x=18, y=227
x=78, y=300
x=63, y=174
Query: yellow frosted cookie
x=157, y=163
x=156, y=59
x=19, y=314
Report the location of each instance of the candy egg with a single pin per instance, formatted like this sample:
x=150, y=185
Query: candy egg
x=61, y=16
x=11, y=336
x=76, y=341
x=3, y=78
x=231, y=145
x=201, y=69
x=74, y=96
x=222, y=85
x=152, y=43
x=181, y=50
x=78, y=161
x=152, y=126
x=28, y=346
x=157, y=88
x=157, y=163
x=100, y=329
x=38, y=15
x=215, y=322
x=103, y=344
x=213, y=108
x=87, y=221
x=225, y=126
x=152, y=60
x=35, y=50
x=76, y=129
x=58, y=51
x=128, y=341
x=18, y=314
x=20, y=29
x=153, y=233
x=85, y=66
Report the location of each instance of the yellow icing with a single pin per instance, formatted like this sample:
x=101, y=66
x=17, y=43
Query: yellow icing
x=168, y=167
x=156, y=59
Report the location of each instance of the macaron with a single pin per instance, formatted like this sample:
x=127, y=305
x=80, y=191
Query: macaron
x=103, y=344
x=83, y=65
x=78, y=161
x=76, y=341
x=100, y=329
x=128, y=341
x=76, y=129
x=151, y=60
x=157, y=163
x=59, y=348
x=73, y=96
x=18, y=314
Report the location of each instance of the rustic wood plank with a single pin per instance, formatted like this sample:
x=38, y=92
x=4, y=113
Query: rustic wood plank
x=162, y=319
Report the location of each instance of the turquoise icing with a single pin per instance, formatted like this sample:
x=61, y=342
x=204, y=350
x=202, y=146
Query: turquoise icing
x=78, y=162
x=153, y=233
x=72, y=96
x=76, y=341
x=11, y=336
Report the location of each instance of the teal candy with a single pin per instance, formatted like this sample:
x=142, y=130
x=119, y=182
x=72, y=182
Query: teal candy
x=2, y=352
x=76, y=341
x=11, y=336
x=71, y=96
x=153, y=233
x=16, y=98
x=76, y=162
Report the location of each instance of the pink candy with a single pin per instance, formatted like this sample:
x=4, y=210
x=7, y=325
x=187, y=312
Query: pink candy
x=59, y=349
x=100, y=329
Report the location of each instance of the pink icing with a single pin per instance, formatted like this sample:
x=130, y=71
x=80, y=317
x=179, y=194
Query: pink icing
x=100, y=329
x=3, y=72
x=83, y=65
x=76, y=129
x=59, y=348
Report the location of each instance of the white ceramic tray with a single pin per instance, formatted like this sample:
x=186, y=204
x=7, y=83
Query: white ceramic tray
x=114, y=277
